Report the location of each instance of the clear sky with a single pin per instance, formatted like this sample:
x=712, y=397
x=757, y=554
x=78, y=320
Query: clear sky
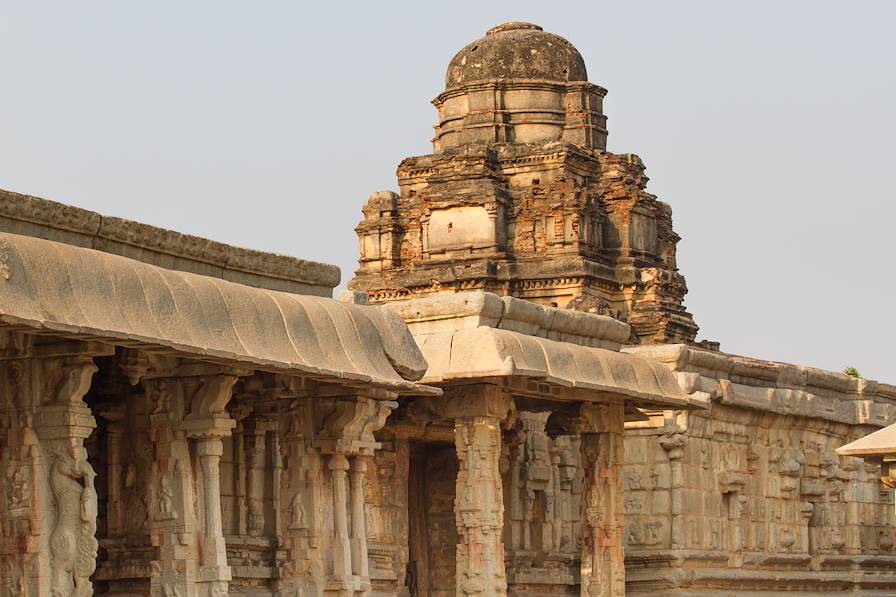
x=768, y=126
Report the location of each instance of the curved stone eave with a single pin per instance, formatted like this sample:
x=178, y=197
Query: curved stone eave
x=50, y=287
x=486, y=352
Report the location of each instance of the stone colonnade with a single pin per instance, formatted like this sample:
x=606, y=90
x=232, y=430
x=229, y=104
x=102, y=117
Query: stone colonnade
x=162, y=476
x=50, y=510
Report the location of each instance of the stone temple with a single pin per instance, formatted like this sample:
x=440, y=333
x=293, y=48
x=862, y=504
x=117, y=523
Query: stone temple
x=510, y=401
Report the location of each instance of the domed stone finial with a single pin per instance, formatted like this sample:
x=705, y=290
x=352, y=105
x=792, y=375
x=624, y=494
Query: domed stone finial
x=513, y=51
x=514, y=26
x=519, y=84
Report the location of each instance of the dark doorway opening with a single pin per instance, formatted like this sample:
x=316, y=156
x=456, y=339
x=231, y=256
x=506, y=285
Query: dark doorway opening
x=432, y=539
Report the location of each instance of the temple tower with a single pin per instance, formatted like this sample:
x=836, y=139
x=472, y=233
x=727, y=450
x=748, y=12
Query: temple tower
x=521, y=198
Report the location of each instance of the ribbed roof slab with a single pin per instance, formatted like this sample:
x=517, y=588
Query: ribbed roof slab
x=77, y=292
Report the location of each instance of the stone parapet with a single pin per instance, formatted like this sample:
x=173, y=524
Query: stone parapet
x=774, y=387
x=469, y=310
x=33, y=216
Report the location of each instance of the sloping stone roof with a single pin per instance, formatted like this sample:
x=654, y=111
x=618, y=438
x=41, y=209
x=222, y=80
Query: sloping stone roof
x=82, y=293
x=489, y=352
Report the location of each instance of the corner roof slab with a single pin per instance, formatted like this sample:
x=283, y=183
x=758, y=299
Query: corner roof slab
x=558, y=353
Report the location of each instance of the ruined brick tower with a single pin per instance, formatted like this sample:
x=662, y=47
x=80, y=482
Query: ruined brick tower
x=521, y=198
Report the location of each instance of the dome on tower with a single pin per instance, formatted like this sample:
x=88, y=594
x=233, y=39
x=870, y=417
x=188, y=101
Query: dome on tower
x=516, y=51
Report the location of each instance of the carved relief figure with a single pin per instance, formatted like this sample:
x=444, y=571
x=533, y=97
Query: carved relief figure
x=73, y=543
x=10, y=580
x=166, y=498
x=18, y=483
x=297, y=513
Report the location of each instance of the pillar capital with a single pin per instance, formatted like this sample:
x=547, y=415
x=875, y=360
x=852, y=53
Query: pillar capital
x=338, y=462
x=207, y=417
x=349, y=424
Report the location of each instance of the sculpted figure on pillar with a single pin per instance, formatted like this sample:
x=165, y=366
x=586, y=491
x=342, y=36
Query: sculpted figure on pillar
x=73, y=543
x=48, y=510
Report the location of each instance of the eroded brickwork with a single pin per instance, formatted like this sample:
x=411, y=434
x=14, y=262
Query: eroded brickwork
x=518, y=205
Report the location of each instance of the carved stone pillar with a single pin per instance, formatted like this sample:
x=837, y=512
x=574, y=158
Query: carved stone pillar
x=567, y=463
x=301, y=502
x=114, y=501
x=188, y=417
x=277, y=480
x=324, y=443
x=478, y=411
x=62, y=426
x=240, y=413
x=360, y=565
x=397, y=527
x=603, y=509
x=208, y=424
x=48, y=503
x=173, y=524
x=256, y=448
x=210, y=450
x=479, y=507
x=342, y=554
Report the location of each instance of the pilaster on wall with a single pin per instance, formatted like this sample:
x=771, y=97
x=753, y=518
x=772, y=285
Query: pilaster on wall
x=603, y=507
x=48, y=503
x=542, y=484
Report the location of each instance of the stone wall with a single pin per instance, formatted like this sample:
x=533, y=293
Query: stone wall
x=750, y=497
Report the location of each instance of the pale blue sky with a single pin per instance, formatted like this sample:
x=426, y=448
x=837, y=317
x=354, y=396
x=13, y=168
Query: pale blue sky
x=768, y=126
